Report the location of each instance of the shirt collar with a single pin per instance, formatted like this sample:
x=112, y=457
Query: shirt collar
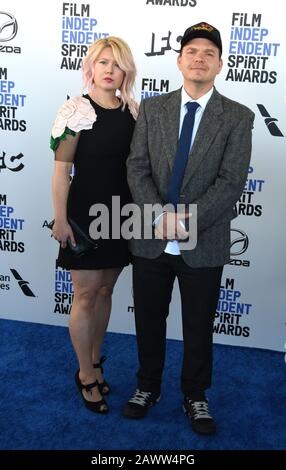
x=203, y=100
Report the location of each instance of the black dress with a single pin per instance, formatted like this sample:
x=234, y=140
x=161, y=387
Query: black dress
x=100, y=173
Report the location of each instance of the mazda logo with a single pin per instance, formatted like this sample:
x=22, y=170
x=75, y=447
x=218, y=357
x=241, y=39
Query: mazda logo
x=8, y=26
x=239, y=242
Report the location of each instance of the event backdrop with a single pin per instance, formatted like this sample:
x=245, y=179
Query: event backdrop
x=41, y=49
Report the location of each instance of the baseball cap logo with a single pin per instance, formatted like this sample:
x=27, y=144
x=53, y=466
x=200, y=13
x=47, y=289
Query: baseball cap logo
x=205, y=26
x=8, y=26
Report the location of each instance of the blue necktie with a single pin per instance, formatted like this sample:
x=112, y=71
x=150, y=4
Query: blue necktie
x=182, y=154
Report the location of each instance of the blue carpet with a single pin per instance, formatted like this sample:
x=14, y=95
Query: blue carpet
x=41, y=408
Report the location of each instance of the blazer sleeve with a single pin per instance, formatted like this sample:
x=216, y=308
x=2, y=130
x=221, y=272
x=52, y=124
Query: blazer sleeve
x=215, y=204
x=139, y=171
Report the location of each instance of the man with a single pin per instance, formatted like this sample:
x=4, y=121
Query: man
x=213, y=178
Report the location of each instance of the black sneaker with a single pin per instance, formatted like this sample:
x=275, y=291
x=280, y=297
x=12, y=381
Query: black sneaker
x=198, y=413
x=139, y=404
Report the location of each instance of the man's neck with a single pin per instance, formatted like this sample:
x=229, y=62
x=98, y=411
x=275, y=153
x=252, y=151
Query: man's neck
x=196, y=90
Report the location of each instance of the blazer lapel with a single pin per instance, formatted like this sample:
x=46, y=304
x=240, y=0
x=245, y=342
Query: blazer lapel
x=169, y=118
x=208, y=128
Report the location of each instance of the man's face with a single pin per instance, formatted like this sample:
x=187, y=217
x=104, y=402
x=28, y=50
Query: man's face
x=199, y=61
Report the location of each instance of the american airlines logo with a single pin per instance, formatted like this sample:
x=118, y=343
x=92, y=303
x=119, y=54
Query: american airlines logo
x=270, y=122
x=24, y=285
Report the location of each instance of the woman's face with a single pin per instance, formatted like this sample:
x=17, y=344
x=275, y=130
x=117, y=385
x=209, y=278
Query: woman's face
x=107, y=74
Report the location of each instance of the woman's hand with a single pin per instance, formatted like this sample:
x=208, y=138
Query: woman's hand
x=61, y=232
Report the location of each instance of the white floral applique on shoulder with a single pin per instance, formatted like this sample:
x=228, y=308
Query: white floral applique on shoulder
x=75, y=115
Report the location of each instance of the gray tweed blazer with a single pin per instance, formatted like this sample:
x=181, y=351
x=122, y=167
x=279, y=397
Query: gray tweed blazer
x=215, y=175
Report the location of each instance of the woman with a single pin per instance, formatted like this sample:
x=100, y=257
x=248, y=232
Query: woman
x=93, y=133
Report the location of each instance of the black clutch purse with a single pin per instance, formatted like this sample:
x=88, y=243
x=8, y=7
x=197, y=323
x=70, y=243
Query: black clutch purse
x=83, y=242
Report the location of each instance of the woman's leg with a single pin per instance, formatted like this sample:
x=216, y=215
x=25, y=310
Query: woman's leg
x=86, y=284
x=102, y=311
x=89, y=319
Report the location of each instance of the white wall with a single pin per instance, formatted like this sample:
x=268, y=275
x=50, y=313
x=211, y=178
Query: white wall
x=34, y=82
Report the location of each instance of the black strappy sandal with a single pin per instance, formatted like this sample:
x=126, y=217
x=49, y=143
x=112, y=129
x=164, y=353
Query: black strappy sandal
x=103, y=386
x=96, y=406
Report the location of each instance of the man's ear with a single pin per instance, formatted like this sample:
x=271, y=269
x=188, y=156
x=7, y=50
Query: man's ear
x=220, y=65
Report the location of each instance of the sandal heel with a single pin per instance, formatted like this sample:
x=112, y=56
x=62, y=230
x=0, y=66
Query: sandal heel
x=95, y=406
x=104, y=388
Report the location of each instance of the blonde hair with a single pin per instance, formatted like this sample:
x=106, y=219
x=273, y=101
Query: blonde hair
x=123, y=57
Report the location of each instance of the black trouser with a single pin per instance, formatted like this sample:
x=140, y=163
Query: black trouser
x=153, y=281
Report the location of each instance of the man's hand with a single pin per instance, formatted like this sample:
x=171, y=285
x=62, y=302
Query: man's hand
x=171, y=226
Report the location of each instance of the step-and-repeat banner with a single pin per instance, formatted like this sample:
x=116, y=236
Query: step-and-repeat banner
x=41, y=49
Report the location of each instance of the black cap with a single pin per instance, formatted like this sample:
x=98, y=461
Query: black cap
x=202, y=30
